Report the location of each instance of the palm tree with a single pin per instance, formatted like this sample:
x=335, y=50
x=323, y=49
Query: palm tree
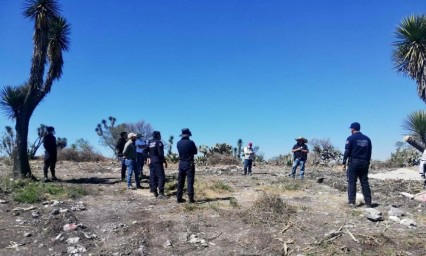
x=415, y=127
x=409, y=52
x=50, y=40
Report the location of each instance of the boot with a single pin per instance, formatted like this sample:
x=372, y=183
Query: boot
x=180, y=200
x=161, y=195
x=191, y=199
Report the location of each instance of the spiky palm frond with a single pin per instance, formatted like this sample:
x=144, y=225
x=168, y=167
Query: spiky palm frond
x=58, y=41
x=410, y=50
x=37, y=9
x=415, y=125
x=42, y=12
x=12, y=99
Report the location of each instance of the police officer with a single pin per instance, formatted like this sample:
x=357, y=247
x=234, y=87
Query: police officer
x=50, y=154
x=187, y=150
x=157, y=177
x=358, y=151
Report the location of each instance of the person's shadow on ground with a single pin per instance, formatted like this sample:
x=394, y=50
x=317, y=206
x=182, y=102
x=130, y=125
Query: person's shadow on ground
x=93, y=180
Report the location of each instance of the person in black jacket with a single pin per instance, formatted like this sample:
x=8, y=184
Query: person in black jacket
x=119, y=150
x=187, y=150
x=157, y=177
x=50, y=153
x=358, y=150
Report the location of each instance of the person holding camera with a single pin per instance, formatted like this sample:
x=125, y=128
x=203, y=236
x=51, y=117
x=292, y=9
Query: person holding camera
x=300, y=154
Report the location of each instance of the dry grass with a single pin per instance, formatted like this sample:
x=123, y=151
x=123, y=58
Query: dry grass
x=269, y=209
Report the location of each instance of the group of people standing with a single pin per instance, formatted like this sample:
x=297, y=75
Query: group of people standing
x=357, y=156
x=134, y=152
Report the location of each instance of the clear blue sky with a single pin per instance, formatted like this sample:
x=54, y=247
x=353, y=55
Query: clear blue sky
x=265, y=71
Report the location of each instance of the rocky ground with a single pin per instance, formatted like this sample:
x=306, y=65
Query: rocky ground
x=264, y=214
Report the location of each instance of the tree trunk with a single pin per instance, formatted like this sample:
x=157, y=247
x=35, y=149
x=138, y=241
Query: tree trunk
x=417, y=145
x=21, y=164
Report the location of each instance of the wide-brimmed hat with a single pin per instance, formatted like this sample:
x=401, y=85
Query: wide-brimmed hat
x=302, y=139
x=186, y=132
x=131, y=135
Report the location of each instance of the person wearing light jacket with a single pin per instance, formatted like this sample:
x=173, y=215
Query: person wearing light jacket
x=248, y=158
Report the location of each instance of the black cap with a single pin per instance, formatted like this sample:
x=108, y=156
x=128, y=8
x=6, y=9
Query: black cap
x=186, y=132
x=356, y=126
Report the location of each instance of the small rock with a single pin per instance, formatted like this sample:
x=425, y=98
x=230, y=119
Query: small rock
x=89, y=236
x=373, y=214
x=63, y=210
x=409, y=223
x=45, y=202
x=55, y=202
x=3, y=201
x=28, y=234
x=16, y=213
x=58, y=237
x=395, y=219
x=396, y=212
x=134, y=222
x=168, y=243
x=35, y=214
x=73, y=240
x=70, y=227
x=55, y=212
x=76, y=249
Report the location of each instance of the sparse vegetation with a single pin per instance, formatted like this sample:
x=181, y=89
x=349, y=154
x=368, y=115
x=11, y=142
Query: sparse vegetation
x=269, y=209
x=33, y=192
x=80, y=151
x=220, y=186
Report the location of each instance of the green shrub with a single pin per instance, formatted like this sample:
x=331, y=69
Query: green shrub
x=233, y=202
x=34, y=192
x=220, y=186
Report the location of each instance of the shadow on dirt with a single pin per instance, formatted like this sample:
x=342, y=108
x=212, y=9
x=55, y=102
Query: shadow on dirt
x=93, y=180
x=207, y=200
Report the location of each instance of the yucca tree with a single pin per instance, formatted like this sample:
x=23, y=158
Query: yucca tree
x=415, y=127
x=50, y=40
x=409, y=52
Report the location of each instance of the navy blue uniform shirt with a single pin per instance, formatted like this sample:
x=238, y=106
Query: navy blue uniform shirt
x=186, y=149
x=358, y=146
x=155, y=148
x=300, y=154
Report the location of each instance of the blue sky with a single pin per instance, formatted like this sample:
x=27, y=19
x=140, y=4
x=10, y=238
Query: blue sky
x=265, y=71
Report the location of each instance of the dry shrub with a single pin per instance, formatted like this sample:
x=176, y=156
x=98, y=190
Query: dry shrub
x=269, y=209
x=76, y=155
x=215, y=159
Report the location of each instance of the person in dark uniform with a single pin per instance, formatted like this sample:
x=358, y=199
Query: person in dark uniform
x=157, y=177
x=50, y=154
x=358, y=151
x=187, y=150
x=300, y=154
x=119, y=150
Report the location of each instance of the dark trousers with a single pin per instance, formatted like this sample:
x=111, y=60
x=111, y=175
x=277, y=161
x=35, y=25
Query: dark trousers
x=358, y=169
x=247, y=166
x=139, y=163
x=157, y=177
x=186, y=169
x=49, y=162
x=123, y=167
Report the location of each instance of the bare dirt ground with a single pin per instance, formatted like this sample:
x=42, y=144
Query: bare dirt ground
x=264, y=214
